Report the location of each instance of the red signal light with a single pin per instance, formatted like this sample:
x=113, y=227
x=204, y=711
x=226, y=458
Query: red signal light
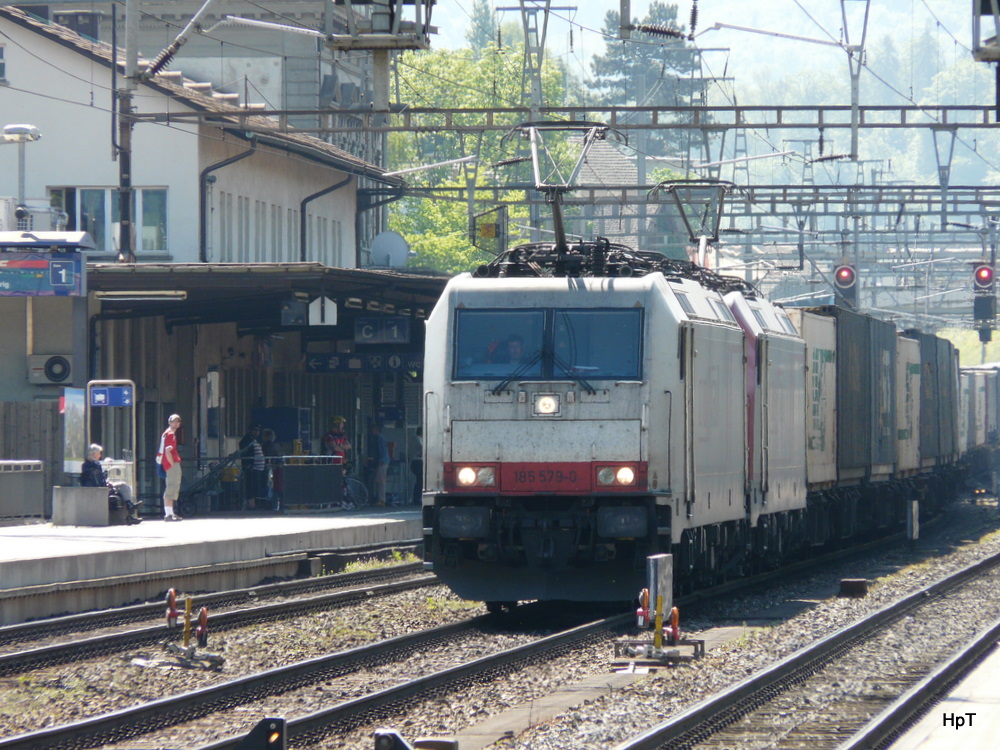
x=845, y=277
x=983, y=277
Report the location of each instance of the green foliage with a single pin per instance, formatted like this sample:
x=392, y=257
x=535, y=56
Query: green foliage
x=482, y=30
x=438, y=230
x=657, y=70
x=374, y=563
x=970, y=349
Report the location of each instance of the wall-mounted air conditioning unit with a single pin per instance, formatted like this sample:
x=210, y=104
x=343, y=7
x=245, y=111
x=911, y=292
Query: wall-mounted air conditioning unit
x=46, y=369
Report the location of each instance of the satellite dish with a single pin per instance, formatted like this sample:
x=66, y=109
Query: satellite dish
x=390, y=248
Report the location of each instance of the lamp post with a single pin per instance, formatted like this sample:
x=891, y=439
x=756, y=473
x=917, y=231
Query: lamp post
x=20, y=134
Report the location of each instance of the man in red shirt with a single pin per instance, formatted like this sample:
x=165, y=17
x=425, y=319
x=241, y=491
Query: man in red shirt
x=335, y=442
x=170, y=460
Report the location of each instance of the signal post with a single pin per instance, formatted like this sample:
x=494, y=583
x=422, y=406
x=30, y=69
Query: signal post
x=984, y=301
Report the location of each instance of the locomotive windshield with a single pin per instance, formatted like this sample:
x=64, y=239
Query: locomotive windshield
x=545, y=344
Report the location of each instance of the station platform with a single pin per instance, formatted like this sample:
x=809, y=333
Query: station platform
x=38, y=560
x=969, y=717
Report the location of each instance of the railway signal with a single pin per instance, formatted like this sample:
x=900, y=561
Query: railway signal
x=982, y=278
x=845, y=282
x=984, y=303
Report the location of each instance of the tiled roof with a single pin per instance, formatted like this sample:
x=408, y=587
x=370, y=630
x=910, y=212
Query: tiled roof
x=607, y=165
x=190, y=94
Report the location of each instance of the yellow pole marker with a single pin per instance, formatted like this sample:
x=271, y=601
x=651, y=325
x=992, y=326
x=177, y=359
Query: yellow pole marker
x=187, y=621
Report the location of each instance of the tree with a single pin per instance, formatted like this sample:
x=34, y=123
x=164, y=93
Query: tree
x=653, y=69
x=482, y=28
x=438, y=230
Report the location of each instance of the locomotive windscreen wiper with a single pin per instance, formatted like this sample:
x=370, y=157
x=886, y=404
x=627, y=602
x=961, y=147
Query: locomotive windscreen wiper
x=569, y=370
x=521, y=369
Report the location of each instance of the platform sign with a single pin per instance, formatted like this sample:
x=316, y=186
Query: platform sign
x=111, y=396
x=42, y=274
x=118, y=428
x=406, y=362
x=394, y=329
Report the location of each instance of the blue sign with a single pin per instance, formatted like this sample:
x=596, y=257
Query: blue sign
x=386, y=330
x=42, y=274
x=115, y=395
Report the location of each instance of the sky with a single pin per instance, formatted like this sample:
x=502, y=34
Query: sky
x=747, y=53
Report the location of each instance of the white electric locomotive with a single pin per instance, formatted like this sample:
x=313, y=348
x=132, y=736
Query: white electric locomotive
x=586, y=406
x=576, y=423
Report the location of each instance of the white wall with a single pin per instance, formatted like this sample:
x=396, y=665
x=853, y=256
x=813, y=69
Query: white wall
x=280, y=180
x=69, y=99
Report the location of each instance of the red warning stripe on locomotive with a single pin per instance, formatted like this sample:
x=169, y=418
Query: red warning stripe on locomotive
x=558, y=477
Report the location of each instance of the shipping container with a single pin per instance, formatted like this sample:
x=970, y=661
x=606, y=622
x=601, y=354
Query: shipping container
x=939, y=398
x=907, y=406
x=820, y=334
x=965, y=380
x=866, y=396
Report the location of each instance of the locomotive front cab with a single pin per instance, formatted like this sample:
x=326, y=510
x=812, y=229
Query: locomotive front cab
x=542, y=462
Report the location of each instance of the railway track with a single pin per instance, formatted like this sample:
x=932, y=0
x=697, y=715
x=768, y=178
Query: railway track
x=823, y=695
x=14, y=637
x=109, y=643
x=127, y=725
x=361, y=708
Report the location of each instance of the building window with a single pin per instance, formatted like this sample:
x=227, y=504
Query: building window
x=223, y=233
x=95, y=210
x=338, y=242
x=243, y=229
x=152, y=218
x=321, y=247
x=229, y=228
x=276, y=254
x=260, y=231
x=3, y=65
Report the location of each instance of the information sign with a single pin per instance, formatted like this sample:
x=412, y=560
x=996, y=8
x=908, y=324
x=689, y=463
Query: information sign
x=111, y=396
x=42, y=274
x=407, y=362
x=394, y=329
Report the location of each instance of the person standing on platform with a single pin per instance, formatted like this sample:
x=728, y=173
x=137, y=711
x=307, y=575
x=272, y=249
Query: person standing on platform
x=272, y=457
x=170, y=460
x=251, y=458
x=377, y=461
x=335, y=442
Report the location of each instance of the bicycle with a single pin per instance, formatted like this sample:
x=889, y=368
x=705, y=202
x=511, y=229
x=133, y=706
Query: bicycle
x=355, y=491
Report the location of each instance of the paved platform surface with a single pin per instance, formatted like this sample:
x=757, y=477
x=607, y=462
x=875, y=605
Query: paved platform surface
x=949, y=725
x=37, y=554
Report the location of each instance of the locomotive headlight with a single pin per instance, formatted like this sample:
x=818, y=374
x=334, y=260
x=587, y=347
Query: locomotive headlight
x=606, y=476
x=616, y=476
x=546, y=404
x=625, y=475
x=476, y=476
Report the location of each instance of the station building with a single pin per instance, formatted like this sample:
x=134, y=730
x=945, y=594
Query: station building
x=241, y=224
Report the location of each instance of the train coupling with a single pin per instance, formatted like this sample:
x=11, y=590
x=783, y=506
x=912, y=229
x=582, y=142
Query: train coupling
x=390, y=739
